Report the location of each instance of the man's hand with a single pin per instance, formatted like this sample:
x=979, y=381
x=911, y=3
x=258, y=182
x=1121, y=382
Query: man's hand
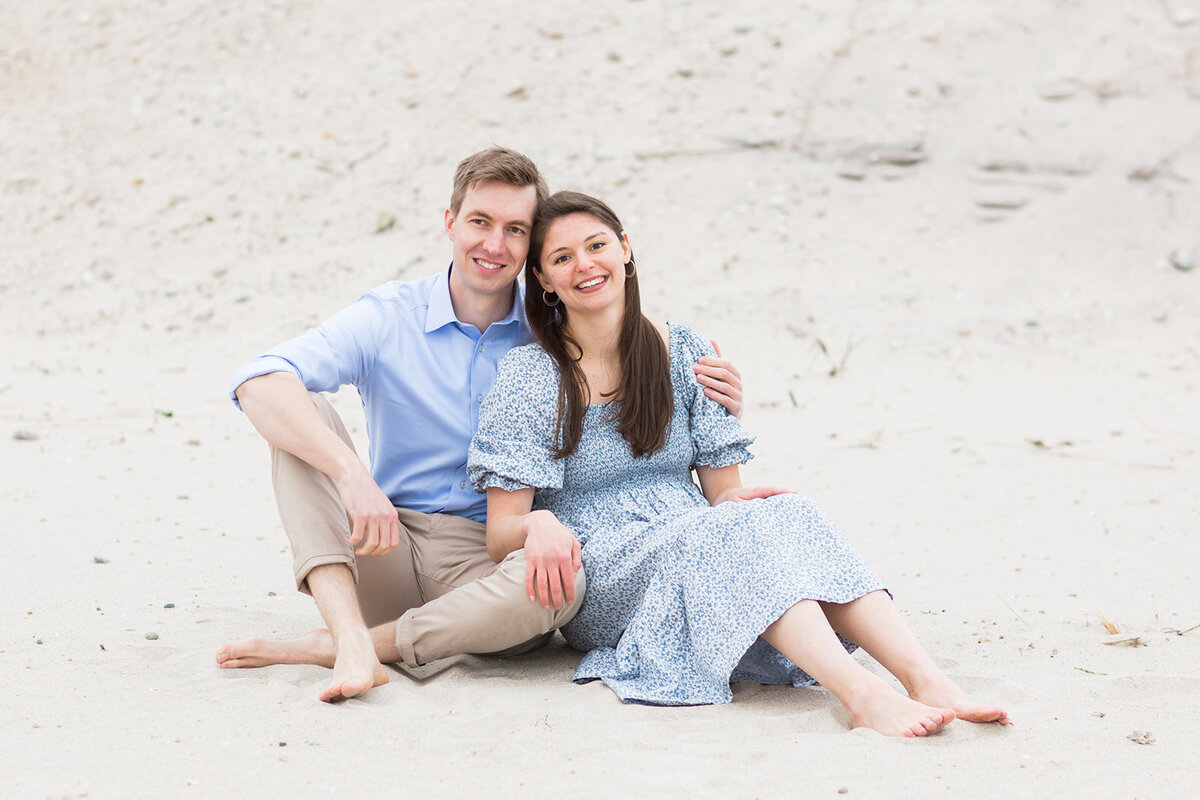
x=279, y=406
x=376, y=525
x=739, y=493
x=721, y=381
x=552, y=556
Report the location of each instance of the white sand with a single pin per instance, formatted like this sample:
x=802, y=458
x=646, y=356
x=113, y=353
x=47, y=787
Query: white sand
x=183, y=184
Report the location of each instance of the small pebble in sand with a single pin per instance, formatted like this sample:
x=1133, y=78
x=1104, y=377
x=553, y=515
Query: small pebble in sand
x=905, y=155
x=1183, y=259
x=1000, y=200
x=24, y=435
x=151, y=635
x=39, y=641
x=1183, y=17
x=1141, y=737
x=168, y=605
x=854, y=171
x=99, y=560
x=1060, y=89
x=385, y=222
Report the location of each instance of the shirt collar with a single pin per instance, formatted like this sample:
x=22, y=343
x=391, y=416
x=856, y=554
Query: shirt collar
x=441, y=309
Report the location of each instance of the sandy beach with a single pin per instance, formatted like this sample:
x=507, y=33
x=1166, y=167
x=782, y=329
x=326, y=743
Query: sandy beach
x=951, y=248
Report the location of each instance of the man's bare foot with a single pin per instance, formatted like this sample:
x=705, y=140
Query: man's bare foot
x=355, y=667
x=315, y=647
x=939, y=690
x=892, y=714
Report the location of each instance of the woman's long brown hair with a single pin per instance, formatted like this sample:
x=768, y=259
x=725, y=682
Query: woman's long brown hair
x=643, y=394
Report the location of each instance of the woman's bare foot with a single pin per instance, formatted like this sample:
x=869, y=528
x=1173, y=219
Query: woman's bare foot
x=355, y=667
x=878, y=707
x=939, y=690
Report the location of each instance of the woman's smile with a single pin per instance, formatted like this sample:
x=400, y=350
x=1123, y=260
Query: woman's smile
x=581, y=259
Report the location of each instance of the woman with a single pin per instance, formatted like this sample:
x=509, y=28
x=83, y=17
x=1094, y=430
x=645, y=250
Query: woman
x=594, y=431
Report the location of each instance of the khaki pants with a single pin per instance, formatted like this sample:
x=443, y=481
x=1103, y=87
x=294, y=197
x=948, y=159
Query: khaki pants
x=440, y=586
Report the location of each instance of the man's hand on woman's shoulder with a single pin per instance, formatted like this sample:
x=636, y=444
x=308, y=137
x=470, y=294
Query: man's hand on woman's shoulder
x=721, y=380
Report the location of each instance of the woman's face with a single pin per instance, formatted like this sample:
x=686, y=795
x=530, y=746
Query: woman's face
x=583, y=262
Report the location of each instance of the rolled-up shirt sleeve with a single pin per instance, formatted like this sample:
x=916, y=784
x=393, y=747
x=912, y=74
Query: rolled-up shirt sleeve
x=341, y=350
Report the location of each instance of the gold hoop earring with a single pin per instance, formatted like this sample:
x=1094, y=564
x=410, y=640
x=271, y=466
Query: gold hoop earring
x=630, y=269
x=546, y=298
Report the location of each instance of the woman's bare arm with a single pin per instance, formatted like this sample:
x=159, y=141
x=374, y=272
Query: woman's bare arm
x=552, y=553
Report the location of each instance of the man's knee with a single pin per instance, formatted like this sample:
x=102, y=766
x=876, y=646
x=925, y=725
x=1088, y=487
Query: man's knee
x=553, y=618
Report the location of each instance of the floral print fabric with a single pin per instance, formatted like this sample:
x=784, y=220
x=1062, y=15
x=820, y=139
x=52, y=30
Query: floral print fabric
x=677, y=591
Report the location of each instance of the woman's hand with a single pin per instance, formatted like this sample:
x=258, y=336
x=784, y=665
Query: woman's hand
x=552, y=553
x=721, y=381
x=736, y=494
x=552, y=557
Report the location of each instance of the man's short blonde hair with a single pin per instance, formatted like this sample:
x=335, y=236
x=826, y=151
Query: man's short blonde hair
x=496, y=164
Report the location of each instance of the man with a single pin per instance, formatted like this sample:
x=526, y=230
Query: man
x=423, y=355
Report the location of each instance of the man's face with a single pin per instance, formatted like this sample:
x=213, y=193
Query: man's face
x=491, y=237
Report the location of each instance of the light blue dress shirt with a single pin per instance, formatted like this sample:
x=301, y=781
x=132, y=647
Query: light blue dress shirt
x=421, y=374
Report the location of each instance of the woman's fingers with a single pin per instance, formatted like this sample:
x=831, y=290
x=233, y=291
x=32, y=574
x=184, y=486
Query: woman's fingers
x=566, y=574
x=543, y=586
x=764, y=491
x=530, y=575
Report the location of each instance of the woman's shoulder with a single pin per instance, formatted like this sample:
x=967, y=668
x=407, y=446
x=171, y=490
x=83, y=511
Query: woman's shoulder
x=689, y=343
x=528, y=358
x=529, y=370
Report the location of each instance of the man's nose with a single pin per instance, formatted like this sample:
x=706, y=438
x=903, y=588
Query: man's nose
x=495, y=240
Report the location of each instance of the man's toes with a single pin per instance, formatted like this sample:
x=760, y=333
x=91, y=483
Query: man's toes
x=332, y=694
x=336, y=693
x=231, y=657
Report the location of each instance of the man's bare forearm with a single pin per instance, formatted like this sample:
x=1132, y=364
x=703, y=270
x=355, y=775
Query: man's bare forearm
x=278, y=406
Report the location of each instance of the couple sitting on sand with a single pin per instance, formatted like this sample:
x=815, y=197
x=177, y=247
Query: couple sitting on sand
x=584, y=442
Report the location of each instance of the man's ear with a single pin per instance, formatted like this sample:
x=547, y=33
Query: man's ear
x=450, y=224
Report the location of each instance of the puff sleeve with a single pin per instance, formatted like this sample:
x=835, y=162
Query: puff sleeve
x=513, y=447
x=717, y=436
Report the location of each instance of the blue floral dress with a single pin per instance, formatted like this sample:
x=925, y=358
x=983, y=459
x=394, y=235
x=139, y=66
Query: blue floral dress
x=678, y=591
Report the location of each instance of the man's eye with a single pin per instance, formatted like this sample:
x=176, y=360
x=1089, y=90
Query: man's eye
x=517, y=231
